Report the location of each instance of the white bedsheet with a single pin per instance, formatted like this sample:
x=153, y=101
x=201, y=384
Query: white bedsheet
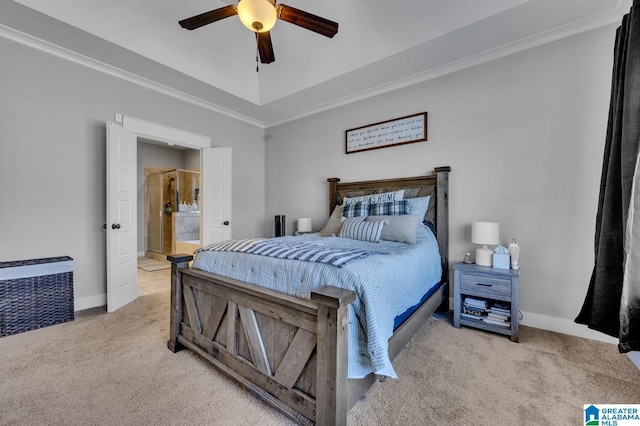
x=386, y=285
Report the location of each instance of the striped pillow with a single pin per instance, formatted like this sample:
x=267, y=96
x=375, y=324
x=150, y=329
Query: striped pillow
x=395, y=208
x=356, y=209
x=363, y=231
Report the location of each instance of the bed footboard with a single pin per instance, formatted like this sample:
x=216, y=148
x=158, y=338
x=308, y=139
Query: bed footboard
x=290, y=352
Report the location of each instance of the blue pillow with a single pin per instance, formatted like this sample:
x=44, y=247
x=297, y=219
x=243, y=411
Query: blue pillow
x=431, y=227
x=419, y=206
x=391, y=208
x=356, y=209
x=361, y=230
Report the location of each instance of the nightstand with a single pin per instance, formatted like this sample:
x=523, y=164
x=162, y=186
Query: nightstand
x=491, y=294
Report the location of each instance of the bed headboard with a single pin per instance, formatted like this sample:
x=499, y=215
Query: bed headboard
x=435, y=184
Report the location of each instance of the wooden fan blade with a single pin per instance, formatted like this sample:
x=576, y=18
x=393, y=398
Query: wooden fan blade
x=208, y=17
x=265, y=48
x=307, y=20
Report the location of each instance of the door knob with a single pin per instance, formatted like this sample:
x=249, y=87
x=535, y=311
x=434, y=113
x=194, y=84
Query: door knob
x=226, y=222
x=115, y=226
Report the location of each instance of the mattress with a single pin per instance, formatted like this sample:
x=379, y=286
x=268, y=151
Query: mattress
x=387, y=283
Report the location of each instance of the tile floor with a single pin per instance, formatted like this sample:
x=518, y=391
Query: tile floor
x=154, y=282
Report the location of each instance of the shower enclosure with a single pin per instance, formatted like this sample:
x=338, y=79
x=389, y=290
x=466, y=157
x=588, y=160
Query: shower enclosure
x=171, y=194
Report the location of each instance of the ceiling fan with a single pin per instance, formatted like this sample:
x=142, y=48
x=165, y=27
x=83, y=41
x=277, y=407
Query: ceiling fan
x=260, y=16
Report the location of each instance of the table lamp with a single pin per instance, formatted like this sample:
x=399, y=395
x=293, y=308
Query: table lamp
x=485, y=233
x=304, y=225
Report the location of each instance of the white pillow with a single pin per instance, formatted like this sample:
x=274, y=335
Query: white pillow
x=383, y=197
x=403, y=229
x=362, y=230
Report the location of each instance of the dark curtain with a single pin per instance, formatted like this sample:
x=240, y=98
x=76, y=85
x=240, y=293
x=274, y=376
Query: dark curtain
x=605, y=309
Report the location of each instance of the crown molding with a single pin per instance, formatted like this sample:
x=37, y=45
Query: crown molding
x=61, y=52
x=607, y=18
x=572, y=29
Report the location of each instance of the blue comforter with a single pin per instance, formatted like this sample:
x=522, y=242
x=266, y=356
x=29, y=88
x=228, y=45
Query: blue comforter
x=385, y=284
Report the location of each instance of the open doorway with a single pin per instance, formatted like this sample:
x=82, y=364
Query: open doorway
x=172, y=212
x=168, y=181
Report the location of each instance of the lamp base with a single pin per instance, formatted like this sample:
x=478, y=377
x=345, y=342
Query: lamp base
x=484, y=256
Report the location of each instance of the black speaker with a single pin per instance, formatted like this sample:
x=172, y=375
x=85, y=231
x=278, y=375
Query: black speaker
x=279, y=226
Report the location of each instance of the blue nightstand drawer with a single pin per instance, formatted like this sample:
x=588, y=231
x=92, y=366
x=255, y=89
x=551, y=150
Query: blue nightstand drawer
x=486, y=286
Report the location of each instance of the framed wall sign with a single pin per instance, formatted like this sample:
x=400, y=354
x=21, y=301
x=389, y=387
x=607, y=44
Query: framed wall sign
x=399, y=131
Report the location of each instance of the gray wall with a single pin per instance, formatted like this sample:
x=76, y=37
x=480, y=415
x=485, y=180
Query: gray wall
x=524, y=136
x=191, y=159
x=52, y=159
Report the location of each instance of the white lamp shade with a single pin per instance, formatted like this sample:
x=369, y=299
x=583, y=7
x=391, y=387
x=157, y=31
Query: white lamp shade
x=257, y=15
x=304, y=224
x=485, y=233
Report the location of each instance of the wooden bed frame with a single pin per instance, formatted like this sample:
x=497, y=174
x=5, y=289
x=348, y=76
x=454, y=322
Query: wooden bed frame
x=292, y=352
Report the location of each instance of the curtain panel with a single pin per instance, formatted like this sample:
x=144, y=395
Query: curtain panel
x=612, y=303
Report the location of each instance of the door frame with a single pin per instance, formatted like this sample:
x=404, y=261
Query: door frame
x=158, y=133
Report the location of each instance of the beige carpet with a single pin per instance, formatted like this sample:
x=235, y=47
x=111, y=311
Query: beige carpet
x=115, y=369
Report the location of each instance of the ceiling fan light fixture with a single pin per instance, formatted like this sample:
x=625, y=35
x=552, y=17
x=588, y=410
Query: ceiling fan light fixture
x=257, y=15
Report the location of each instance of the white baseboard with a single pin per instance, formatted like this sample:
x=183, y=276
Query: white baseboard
x=80, y=304
x=564, y=326
x=140, y=254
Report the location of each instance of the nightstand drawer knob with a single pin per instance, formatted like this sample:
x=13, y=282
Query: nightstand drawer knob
x=484, y=285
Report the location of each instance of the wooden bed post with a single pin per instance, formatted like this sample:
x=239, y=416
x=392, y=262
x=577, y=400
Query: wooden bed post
x=332, y=193
x=332, y=350
x=442, y=217
x=178, y=262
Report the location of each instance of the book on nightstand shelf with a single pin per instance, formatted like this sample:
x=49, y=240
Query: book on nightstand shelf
x=477, y=303
x=474, y=309
x=499, y=313
x=495, y=313
x=502, y=323
x=498, y=317
x=500, y=305
x=470, y=316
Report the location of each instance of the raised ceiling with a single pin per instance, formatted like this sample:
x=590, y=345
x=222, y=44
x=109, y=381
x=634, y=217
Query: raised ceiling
x=380, y=44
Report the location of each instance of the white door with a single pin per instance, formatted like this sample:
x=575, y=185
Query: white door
x=122, y=279
x=216, y=195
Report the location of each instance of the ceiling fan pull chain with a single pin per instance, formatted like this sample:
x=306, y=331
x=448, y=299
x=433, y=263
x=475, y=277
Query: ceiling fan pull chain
x=257, y=54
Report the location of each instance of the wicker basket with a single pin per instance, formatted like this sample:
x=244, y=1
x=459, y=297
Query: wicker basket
x=35, y=293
